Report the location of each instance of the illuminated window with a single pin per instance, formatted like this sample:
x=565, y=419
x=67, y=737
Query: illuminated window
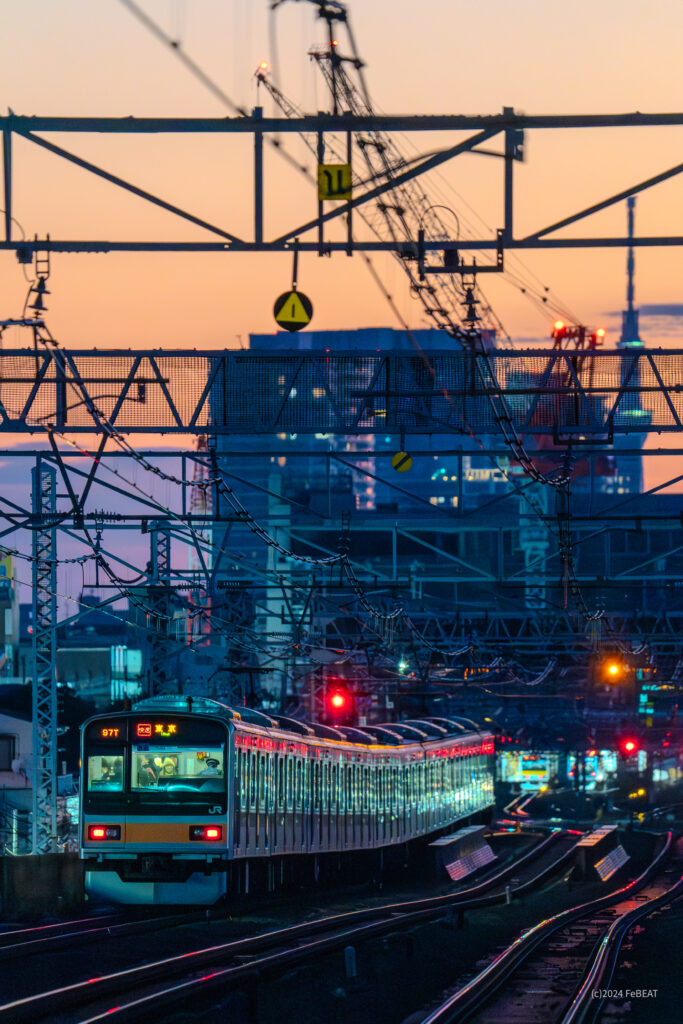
x=105, y=773
x=155, y=767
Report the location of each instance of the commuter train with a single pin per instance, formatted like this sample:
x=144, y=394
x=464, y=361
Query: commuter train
x=180, y=797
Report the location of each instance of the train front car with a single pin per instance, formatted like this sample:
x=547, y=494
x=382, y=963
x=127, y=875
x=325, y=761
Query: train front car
x=154, y=805
x=183, y=800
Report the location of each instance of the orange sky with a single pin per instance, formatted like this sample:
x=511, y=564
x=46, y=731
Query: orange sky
x=76, y=57
x=83, y=58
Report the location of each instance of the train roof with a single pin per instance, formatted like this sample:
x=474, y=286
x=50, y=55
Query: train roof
x=390, y=734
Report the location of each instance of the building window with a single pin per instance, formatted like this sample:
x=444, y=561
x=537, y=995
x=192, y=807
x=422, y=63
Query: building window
x=6, y=753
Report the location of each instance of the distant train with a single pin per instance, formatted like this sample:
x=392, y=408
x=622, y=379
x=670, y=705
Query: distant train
x=180, y=796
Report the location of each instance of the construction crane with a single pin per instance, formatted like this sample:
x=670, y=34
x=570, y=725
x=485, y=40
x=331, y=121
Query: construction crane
x=407, y=212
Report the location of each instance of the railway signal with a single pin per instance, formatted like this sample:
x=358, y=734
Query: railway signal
x=339, y=705
x=629, y=746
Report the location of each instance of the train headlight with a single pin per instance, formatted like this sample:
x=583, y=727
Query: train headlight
x=100, y=832
x=206, y=833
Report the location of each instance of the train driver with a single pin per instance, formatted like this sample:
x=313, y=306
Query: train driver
x=213, y=767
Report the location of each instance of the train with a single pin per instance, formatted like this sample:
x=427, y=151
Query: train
x=182, y=797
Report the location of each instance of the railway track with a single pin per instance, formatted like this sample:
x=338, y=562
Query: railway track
x=195, y=974
x=50, y=938
x=65, y=934
x=551, y=972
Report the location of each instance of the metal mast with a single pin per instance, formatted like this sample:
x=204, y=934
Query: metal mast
x=159, y=610
x=43, y=658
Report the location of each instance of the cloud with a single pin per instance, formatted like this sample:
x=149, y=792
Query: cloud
x=671, y=309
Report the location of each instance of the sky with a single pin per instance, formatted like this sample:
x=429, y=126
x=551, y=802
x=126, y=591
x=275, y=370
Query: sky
x=92, y=57
x=79, y=57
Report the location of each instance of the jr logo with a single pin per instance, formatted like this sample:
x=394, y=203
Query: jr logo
x=216, y=809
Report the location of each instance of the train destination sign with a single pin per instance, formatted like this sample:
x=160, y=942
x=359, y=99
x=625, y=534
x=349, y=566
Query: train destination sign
x=293, y=310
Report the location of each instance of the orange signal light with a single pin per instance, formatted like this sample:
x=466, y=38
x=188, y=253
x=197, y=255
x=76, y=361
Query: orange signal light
x=559, y=324
x=600, y=332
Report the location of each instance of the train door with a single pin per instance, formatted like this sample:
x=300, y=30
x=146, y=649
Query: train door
x=422, y=795
x=364, y=803
x=379, y=802
x=298, y=792
x=306, y=819
x=289, y=803
x=411, y=769
x=325, y=842
x=250, y=781
x=279, y=802
x=349, y=787
x=336, y=806
x=402, y=801
x=238, y=816
x=315, y=804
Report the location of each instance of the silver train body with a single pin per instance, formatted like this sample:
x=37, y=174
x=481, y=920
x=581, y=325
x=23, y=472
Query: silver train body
x=175, y=793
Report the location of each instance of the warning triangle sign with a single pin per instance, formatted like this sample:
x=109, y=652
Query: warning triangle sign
x=293, y=310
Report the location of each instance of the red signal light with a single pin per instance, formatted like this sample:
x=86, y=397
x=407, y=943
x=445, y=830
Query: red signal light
x=629, y=746
x=339, y=705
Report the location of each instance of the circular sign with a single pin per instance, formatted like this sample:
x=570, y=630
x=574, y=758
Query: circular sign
x=401, y=462
x=293, y=310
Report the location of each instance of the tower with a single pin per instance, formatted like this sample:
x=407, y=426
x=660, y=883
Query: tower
x=629, y=476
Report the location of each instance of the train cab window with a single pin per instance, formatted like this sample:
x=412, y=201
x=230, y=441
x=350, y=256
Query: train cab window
x=105, y=772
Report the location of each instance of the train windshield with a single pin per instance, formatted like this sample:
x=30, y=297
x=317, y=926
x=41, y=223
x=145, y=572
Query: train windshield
x=178, y=768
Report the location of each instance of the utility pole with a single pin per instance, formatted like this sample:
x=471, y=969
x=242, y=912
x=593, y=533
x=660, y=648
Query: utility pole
x=44, y=659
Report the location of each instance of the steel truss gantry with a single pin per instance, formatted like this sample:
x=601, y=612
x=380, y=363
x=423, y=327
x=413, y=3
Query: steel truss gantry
x=508, y=126
x=440, y=392
x=43, y=651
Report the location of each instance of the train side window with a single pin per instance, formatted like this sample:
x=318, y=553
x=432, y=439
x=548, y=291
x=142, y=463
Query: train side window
x=290, y=781
x=262, y=780
x=251, y=758
x=240, y=780
x=316, y=785
x=280, y=766
x=297, y=784
x=334, y=786
x=326, y=786
x=349, y=787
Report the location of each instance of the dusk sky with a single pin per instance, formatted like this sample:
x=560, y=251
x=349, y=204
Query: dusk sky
x=79, y=57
